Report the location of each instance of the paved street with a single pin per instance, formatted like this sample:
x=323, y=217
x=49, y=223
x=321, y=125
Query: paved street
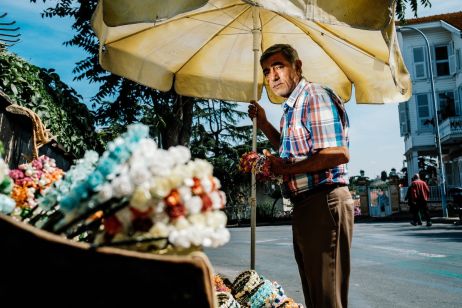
x=393, y=264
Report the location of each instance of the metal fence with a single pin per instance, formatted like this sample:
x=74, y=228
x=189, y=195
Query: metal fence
x=435, y=193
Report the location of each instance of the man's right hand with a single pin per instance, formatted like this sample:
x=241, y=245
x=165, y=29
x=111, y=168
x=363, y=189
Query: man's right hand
x=255, y=110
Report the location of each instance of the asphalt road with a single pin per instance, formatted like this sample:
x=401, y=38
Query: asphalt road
x=393, y=264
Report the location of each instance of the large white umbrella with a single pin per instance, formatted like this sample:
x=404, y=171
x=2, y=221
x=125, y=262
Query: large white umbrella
x=211, y=49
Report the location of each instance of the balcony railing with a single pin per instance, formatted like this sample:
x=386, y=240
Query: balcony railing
x=451, y=128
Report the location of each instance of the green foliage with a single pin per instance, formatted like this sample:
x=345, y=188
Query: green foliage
x=58, y=105
x=402, y=4
x=120, y=102
x=428, y=167
x=264, y=211
x=217, y=138
x=383, y=175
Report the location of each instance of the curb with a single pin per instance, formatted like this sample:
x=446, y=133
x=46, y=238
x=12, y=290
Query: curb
x=358, y=220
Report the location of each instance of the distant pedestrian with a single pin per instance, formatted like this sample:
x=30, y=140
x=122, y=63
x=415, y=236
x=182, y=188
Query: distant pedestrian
x=416, y=219
x=418, y=195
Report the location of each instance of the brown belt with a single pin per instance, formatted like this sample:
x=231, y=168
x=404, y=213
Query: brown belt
x=305, y=194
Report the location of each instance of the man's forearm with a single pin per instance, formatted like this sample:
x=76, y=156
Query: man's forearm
x=325, y=159
x=272, y=134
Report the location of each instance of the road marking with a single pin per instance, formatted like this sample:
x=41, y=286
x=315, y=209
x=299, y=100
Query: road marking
x=283, y=244
x=266, y=241
x=410, y=252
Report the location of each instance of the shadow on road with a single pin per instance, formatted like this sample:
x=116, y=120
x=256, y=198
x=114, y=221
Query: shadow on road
x=440, y=233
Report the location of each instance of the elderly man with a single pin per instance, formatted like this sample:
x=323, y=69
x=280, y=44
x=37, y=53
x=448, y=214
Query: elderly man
x=313, y=149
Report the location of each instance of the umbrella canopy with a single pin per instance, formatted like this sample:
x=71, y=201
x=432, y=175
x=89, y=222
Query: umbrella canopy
x=208, y=50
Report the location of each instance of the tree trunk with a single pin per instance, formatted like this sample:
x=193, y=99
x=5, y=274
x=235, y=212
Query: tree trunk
x=178, y=130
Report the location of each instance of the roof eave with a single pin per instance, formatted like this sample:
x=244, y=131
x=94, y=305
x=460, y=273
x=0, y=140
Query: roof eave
x=436, y=24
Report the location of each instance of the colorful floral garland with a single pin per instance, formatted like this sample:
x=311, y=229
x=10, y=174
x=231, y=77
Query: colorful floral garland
x=30, y=182
x=170, y=197
x=76, y=174
x=80, y=197
x=252, y=161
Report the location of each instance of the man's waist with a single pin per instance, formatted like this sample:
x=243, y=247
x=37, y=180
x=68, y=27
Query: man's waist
x=298, y=196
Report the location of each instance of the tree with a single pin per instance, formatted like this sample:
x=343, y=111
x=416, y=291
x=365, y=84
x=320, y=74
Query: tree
x=402, y=4
x=383, y=175
x=58, y=105
x=120, y=102
x=428, y=169
x=217, y=138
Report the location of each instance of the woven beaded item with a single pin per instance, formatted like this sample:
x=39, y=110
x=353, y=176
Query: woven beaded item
x=245, y=282
x=258, y=299
x=277, y=298
x=226, y=300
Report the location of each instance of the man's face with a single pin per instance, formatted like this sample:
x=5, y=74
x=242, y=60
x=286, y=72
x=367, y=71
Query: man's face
x=281, y=76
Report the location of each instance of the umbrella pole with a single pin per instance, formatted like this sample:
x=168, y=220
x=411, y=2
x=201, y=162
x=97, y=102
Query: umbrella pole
x=253, y=200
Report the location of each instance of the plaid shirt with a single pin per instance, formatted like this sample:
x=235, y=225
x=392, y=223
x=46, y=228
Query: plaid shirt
x=312, y=120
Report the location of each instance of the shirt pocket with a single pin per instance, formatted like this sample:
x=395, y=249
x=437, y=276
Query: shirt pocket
x=300, y=139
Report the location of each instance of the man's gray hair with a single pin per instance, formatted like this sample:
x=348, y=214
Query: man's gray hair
x=286, y=50
x=416, y=177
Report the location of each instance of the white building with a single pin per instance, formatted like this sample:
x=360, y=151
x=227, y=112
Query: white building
x=417, y=115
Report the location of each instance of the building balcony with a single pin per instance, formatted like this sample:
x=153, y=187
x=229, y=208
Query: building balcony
x=451, y=130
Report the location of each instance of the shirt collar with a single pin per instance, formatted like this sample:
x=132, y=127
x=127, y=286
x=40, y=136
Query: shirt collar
x=290, y=102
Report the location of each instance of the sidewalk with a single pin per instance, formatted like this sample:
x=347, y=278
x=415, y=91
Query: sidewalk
x=396, y=217
x=404, y=216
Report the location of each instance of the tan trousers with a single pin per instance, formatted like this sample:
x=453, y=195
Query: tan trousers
x=322, y=232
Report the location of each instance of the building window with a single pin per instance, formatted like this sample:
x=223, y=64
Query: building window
x=403, y=119
x=420, y=70
x=442, y=60
x=424, y=119
x=446, y=105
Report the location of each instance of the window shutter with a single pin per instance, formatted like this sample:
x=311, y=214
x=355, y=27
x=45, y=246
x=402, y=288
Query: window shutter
x=419, y=61
x=452, y=59
x=457, y=102
x=458, y=60
x=433, y=60
x=411, y=67
x=452, y=64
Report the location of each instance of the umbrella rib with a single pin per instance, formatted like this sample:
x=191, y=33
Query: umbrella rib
x=211, y=38
x=173, y=19
x=296, y=24
x=248, y=28
x=218, y=24
x=350, y=44
x=332, y=36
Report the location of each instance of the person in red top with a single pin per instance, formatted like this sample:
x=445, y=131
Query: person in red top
x=418, y=194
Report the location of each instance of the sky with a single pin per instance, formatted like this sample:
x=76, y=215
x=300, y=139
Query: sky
x=375, y=143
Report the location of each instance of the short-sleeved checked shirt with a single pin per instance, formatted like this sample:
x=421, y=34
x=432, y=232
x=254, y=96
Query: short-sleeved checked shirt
x=313, y=118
